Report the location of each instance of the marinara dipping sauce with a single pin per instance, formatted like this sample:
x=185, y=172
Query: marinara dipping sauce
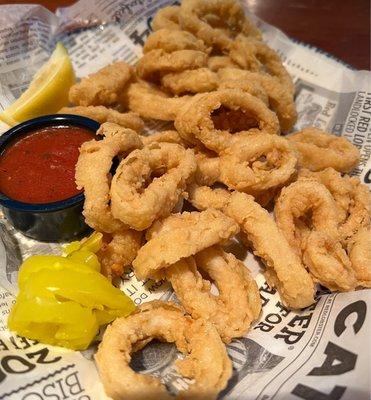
x=39, y=167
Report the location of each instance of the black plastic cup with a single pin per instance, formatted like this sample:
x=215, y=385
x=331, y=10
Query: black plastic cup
x=59, y=221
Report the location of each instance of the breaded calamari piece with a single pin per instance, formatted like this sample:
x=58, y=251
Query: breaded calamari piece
x=284, y=268
x=195, y=231
x=318, y=150
x=103, y=87
x=103, y=114
x=95, y=181
x=198, y=340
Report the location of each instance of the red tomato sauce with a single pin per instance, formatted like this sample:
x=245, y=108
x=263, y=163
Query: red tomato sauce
x=40, y=167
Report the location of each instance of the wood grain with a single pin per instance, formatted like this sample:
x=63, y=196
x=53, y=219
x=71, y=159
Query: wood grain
x=341, y=28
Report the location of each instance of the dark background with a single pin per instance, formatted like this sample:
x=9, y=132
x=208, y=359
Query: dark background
x=339, y=27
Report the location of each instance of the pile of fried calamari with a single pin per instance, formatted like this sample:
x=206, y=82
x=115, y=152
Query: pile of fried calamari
x=228, y=97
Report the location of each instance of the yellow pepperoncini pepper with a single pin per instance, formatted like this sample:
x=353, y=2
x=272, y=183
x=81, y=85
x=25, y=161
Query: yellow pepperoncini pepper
x=63, y=300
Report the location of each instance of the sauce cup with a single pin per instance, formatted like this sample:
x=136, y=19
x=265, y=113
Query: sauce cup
x=56, y=221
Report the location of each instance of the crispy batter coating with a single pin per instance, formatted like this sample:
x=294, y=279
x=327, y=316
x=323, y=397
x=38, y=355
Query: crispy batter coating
x=238, y=303
x=96, y=181
x=103, y=87
x=190, y=81
x=359, y=250
x=103, y=114
x=198, y=340
x=196, y=231
x=215, y=63
x=118, y=251
x=149, y=183
x=156, y=63
x=318, y=150
x=170, y=40
x=150, y=102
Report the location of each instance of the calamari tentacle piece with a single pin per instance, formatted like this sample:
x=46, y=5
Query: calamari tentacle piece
x=284, y=268
x=198, y=340
x=228, y=13
x=280, y=100
x=304, y=206
x=318, y=150
x=328, y=262
x=359, y=250
x=257, y=163
x=96, y=181
x=136, y=198
x=170, y=40
x=156, y=63
x=190, y=81
x=238, y=303
x=205, y=120
x=104, y=87
x=256, y=56
x=119, y=251
x=167, y=18
x=103, y=114
x=150, y=102
x=194, y=232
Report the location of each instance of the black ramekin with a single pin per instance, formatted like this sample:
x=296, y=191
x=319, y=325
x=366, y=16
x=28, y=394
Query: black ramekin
x=59, y=221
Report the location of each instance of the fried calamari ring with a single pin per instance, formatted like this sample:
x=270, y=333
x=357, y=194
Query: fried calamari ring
x=339, y=187
x=257, y=163
x=190, y=81
x=256, y=56
x=328, y=263
x=319, y=150
x=284, y=269
x=216, y=22
x=157, y=63
x=302, y=207
x=104, y=87
x=238, y=303
x=193, y=232
x=351, y=197
x=103, y=114
x=359, y=250
x=137, y=198
x=166, y=18
x=280, y=100
x=118, y=251
x=170, y=41
x=215, y=63
x=96, y=181
x=206, y=120
x=307, y=215
x=150, y=102
x=198, y=340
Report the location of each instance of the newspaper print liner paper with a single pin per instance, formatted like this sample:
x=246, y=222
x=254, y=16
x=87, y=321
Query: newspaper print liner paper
x=319, y=353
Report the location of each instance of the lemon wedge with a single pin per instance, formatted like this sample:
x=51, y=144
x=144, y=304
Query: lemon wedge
x=48, y=91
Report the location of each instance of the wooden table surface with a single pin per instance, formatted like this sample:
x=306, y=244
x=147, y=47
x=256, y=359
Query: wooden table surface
x=339, y=27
